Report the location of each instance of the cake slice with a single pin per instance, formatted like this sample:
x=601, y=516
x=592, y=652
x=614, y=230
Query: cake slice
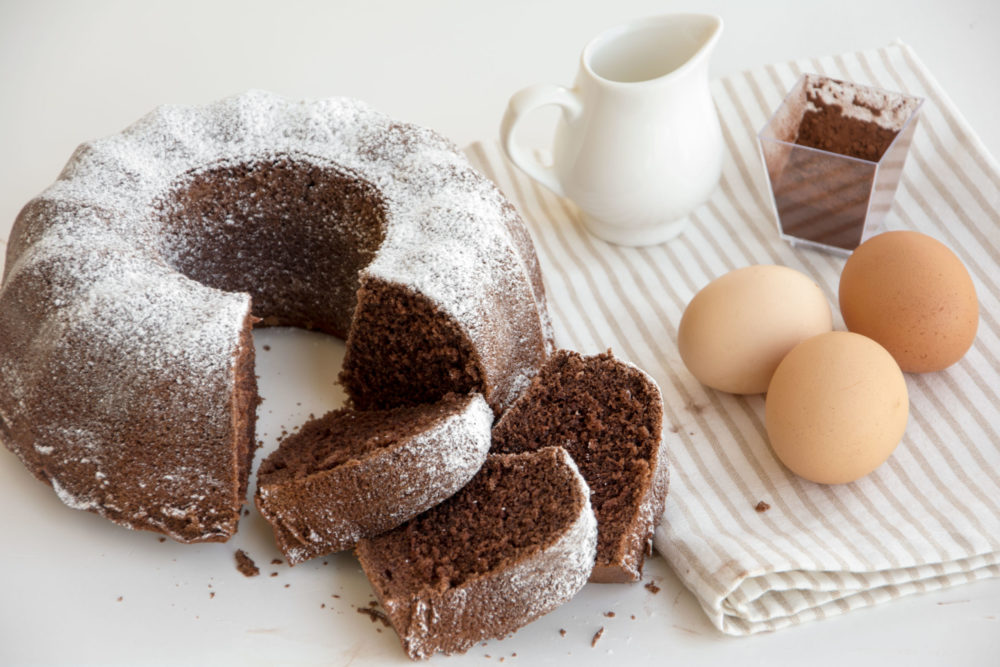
x=514, y=544
x=353, y=474
x=609, y=415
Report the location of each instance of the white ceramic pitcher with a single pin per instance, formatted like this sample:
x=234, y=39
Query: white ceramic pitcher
x=638, y=145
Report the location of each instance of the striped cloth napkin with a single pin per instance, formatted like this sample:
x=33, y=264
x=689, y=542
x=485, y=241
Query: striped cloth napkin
x=929, y=517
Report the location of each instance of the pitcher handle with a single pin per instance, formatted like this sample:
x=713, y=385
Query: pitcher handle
x=524, y=102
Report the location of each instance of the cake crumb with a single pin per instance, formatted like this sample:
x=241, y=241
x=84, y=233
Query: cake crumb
x=245, y=564
x=276, y=561
x=120, y=598
x=633, y=617
x=609, y=614
x=597, y=637
x=267, y=348
x=274, y=574
x=562, y=632
x=335, y=596
x=211, y=595
x=322, y=605
x=162, y=540
x=374, y=615
x=652, y=587
x=762, y=507
x=287, y=585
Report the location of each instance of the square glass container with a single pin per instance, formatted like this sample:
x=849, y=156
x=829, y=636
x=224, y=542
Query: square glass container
x=836, y=197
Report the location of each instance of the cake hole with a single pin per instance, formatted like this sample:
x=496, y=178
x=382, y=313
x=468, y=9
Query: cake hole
x=291, y=234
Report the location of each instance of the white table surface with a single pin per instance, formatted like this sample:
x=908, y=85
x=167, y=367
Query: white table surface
x=77, y=70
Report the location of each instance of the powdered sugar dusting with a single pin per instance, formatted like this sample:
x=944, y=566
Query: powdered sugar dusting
x=112, y=315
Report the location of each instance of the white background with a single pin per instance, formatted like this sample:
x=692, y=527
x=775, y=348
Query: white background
x=78, y=70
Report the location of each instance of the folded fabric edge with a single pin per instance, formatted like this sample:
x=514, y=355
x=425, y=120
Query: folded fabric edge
x=740, y=623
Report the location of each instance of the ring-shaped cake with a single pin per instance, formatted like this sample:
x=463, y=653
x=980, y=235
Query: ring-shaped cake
x=131, y=286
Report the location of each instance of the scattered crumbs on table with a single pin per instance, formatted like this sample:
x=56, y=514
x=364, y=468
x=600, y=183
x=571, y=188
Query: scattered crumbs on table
x=211, y=595
x=597, y=637
x=274, y=574
x=276, y=561
x=652, y=587
x=267, y=348
x=120, y=598
x=163, y=539
x=761, y=507
x=562, y=632
x=609, y=614
x=374, y=615
x=322, y=605
x=633, y=617
x=288, y=585
x=335, y=596
x=245, y=564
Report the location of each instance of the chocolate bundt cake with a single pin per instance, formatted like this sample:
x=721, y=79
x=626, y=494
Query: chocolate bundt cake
x=131, y=284
x=353, y=474
x=609, y=415
x=514, y=544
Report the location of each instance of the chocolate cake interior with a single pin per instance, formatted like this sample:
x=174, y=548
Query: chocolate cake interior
x=602, y=417
x=513, y=506
x=401, y=352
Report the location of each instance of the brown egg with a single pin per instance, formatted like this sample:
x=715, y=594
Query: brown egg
x=736, y=330
x=914, y=296
x=836, y=408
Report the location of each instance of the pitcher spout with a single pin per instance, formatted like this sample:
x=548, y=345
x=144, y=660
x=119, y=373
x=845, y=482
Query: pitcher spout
x=652, y=49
